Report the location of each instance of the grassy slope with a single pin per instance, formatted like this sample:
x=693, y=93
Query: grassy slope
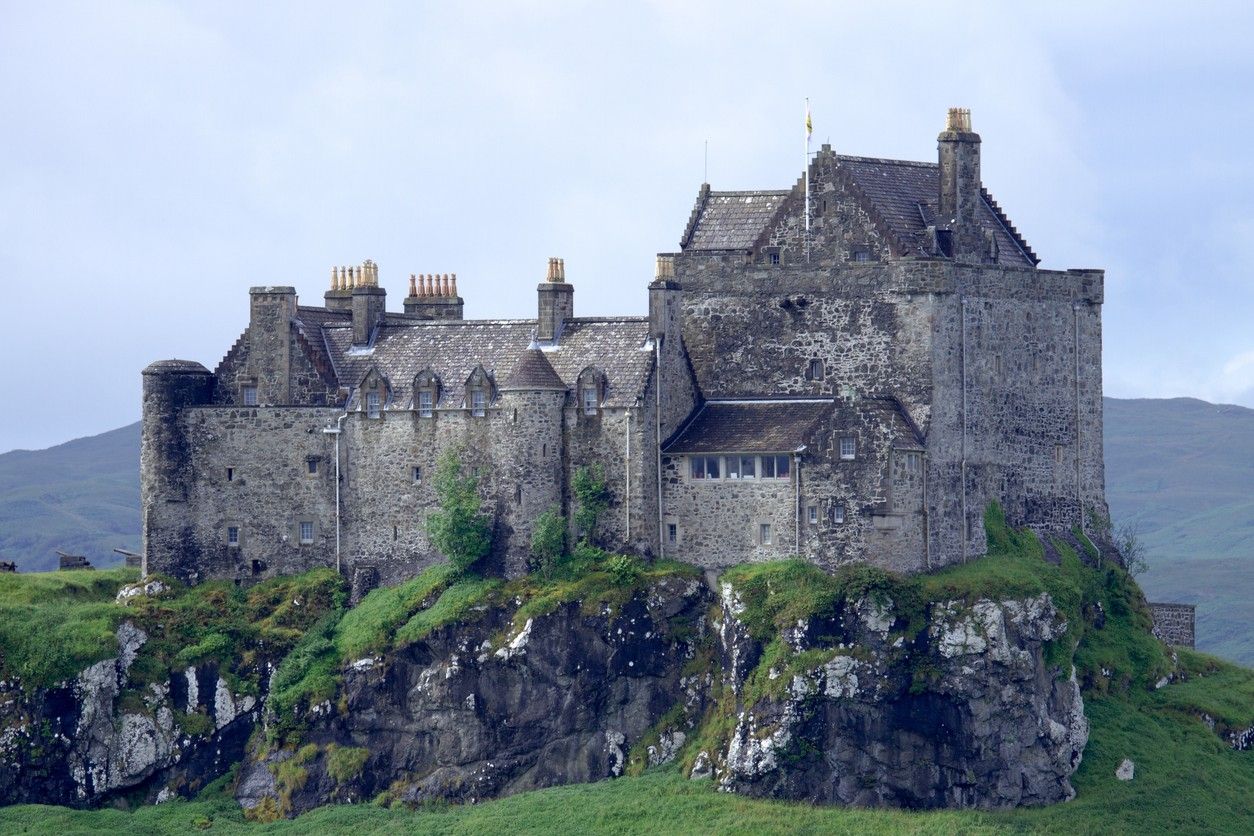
x=81, y=497
x=1182, y=470
x=1187, y=779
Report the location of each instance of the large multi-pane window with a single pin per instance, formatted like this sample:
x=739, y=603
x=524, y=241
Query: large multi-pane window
x=739, y=466
x=848, y=447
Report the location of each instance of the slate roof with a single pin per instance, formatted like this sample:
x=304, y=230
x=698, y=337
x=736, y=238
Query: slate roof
x=780, y=426
x=749, y=426
x=731, y=220
x=900, y=194
x=532, y=372
x=453, y=349
x=904, y=195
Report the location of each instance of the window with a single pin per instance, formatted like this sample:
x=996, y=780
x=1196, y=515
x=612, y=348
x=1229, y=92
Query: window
x=775, y=467
x=250, y=396
x=812, y=514
x=230, y=474
x=1059, y=453
x=426, y=402
x=848, y=447
x=478, y=403
x=773, y=258
x=672, y=533
x=589, y=400
x=764, y=534
x=704, y=467
x=732, y=467
x=306, y=532
x=232, y=535
x=417, y=473
x=311, y=467
x=914, y=463
x=372, y=404
x=861, y=255
x=815, y=370
x=838, y=513
x=748, y=469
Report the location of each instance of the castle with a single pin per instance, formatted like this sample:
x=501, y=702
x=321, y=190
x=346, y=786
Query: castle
x=850, y=369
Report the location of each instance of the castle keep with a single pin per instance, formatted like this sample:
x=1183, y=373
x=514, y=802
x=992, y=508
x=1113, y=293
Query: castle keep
x=852, y=379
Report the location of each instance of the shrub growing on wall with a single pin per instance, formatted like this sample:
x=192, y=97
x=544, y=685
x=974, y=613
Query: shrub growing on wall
x=548, y=541
x=591, y=498
x=458, y=529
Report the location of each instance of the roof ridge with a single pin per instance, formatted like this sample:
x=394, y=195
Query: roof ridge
x=887, y=161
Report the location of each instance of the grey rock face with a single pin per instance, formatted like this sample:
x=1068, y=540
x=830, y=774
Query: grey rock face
x=79, y=744
x=483, y=709
x=973, y=718
x=1126, y=770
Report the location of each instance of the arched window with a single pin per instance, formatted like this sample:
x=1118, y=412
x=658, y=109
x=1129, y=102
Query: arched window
x=479, y=392
x=426, y=393
x=590, y=390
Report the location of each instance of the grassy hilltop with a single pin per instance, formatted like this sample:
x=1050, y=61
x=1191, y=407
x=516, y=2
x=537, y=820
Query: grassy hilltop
x=1188, y=779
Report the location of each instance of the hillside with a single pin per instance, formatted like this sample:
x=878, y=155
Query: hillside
x=81, y=497
x=1182, y=471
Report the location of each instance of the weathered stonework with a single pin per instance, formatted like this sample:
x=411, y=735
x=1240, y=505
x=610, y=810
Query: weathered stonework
x=1173, y=623
x=949, y=369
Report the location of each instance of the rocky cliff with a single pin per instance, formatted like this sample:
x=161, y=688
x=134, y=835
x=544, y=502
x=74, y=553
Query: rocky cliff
x=862, y=701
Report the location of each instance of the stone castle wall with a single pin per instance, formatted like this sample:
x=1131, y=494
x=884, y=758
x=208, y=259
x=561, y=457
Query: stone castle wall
x=924, y=332
x=1173, y=623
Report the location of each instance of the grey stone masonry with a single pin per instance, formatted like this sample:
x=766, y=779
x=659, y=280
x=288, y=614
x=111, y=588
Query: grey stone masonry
x=849, y=373
x=1173, y=623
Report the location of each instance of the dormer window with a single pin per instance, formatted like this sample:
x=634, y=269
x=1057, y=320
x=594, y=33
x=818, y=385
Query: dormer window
x=375, y=391
x=478, y=403
x=591, y=389
x=372, y=404
x=427, y=393
x=479, y=390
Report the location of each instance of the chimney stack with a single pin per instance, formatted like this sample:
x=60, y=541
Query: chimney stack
x=434, y=296
x=957, y=218
x=556, y=302
x=368, y=301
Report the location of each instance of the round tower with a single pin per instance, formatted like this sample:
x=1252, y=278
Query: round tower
x=164, y=467
x=530, y=480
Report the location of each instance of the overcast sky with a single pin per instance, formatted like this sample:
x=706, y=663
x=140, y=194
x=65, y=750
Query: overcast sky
x=157, y=159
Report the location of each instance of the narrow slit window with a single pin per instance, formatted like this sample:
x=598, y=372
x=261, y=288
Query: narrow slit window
x=230, y=474
x=417, y=473
x=815, y=370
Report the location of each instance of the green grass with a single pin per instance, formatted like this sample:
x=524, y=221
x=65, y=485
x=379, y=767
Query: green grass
x=55, y=624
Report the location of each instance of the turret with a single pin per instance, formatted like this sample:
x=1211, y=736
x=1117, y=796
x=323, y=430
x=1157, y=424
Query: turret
x=957, y=217
x=557, y=302
x=369, y=302
x=533, y=396
x=434, y=296
x=170, y=386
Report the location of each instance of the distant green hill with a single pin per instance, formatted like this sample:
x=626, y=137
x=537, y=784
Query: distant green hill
x=1182, y=470
x=81, y=497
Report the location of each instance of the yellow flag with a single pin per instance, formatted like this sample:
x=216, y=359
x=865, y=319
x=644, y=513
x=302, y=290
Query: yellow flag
x=809, y=124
